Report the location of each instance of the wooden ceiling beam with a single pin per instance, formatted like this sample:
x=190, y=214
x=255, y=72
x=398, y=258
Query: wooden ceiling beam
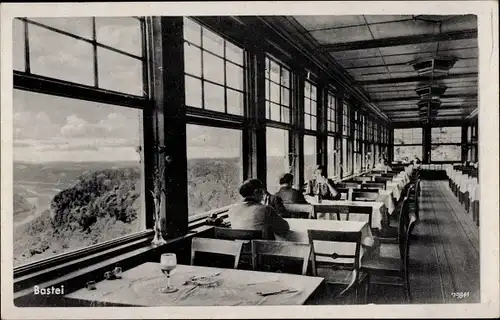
x=419, y=79
x=417, y=98
x=399, y=41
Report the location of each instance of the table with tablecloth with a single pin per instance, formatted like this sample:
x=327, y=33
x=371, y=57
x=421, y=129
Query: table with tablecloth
x=140, y=286
x=327, y=210
x=298, y=233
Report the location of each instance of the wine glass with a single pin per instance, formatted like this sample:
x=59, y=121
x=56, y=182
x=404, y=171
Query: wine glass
x=168, y=263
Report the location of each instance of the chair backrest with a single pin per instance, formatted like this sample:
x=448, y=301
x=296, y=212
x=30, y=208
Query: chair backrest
x=382, y=179
x=263, y=252
x=301, y=211
x=364, y=196
x=374, y=185
x=366, y=190
x=335, y=236
x=237, y=234
x=348, y=184
x=344, y=193
x=216, y=246
x=403, y=224
x=362, y=179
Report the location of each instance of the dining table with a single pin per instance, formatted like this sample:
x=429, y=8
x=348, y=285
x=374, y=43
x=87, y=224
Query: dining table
x=201, y=286
x=327, y=210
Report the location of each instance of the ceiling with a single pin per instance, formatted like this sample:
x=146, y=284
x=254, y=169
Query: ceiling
x=377, y=50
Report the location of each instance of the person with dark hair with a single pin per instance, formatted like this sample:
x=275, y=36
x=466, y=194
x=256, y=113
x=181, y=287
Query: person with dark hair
x=322, y=186
x=287, y=193
x=251, y=214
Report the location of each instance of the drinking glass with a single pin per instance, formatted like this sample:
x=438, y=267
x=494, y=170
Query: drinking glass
x=168, y=263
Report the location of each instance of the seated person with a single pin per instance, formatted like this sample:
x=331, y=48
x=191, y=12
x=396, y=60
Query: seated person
x=416, y=160
x=287, y=193
x=251, y=214
x=321, y=185
x=382, y=165
x=406, y=160
x=276, y=203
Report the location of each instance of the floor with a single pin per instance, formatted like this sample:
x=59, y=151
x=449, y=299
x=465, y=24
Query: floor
x=444, y=252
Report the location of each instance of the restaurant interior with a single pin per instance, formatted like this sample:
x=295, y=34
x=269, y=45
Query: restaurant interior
x=162, y=119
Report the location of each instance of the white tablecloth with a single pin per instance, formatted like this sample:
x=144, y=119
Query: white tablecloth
x=386, y=197
x=322, y=213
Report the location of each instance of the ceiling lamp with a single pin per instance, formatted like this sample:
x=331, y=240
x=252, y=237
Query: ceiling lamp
x=431, y=92
x=435, y=65
x=428, y=109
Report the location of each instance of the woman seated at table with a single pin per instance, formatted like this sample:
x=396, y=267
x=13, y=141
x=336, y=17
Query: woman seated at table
x=251, y=214
x=321, y=185
x=382, y=165
x=287, y=193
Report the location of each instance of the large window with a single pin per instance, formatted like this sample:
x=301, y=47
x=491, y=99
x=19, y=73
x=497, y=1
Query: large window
x=215, y=71
x=407, y=144
x=77, y=174
x=446, y=144
x=78, y=165
x=333, y=157
x=309, y=156
x=332, y=113
x=214, y=167
x=277, y=156
x=278, y=91
x=357, y=142
x=100, y=52
x=310, y=106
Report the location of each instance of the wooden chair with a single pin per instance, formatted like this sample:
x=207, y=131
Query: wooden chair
x=373, y=185
x=391, y=265
x=346, y=210
x=299, y=210
x=341, y=270
x=216, y=246
x=382, y=179
x=362, y=179
x=245, y=237
x=278, y=256
x=364, y=196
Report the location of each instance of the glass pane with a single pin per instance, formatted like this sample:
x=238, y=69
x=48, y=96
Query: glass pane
x=330, y=157
x=307, y=121
x=213, y=42
x=277, y=156
x=213, y=68
x=345, y=161
x=285, y=77
x=313, y=108
x=313, y=123
x=192, y=59
x=234, y=76
x=214, y=167
x=275, y=112
x=275, y=92
x=193, y=92
x=309, y=156
x=446, y=135
x=307, y=106
x=234, y=53
x=313, y=93
x=120, y=33
x=214, y=97
x=234, y=102
x=192, y=31
x=80, y=26
x=285, y=114
x=77, y=177
x=268, y=110
x=307, y=89
x=267, y=89
x=61, y=57
x=275, y=72
x=446, y=153
x=119, y=72
x=285, y=96
x=18, y=53
x=409, y=152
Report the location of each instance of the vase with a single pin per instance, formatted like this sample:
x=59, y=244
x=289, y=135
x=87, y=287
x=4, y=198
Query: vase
x=158, y=238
